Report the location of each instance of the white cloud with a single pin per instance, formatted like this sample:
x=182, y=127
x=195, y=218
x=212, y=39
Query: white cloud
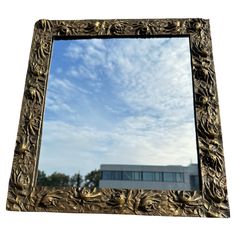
x=58, y=93
x=161, y=84
x=87, y=50
x=70, y=148
x=149, y=73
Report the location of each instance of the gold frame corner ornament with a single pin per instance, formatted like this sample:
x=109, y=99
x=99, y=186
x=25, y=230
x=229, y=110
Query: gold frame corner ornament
x=210, y=201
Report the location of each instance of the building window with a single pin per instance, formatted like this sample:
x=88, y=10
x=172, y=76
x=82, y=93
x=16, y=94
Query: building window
x=194, y=182
x=169, y=177
x=106, y=175
x=158, y=176
x=137, y=175
x=148, y=176
x=116, y=175
x=127, y=175
x=180, y=177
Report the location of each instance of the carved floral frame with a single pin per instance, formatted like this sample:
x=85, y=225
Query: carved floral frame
x=210, y=201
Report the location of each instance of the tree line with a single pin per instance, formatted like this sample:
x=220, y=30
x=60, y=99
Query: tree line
x=90, y=180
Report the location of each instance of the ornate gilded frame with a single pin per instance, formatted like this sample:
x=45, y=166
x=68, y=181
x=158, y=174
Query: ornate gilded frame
x=210, y=201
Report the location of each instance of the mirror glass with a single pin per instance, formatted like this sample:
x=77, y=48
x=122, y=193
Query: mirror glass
x=119, y=113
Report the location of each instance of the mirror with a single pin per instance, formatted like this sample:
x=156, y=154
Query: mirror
x=119, y=114
x=120, y=117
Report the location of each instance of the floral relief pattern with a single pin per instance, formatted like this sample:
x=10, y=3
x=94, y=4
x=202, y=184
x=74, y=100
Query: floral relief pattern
x=210, y=201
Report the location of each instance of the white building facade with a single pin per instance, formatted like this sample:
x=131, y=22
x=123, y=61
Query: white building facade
x=174, y=177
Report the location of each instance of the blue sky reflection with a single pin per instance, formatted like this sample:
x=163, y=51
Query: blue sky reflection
x=118, y=101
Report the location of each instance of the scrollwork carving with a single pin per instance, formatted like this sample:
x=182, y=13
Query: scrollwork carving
x=211, y=201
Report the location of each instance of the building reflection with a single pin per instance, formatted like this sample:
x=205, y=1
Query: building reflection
x=172, y=177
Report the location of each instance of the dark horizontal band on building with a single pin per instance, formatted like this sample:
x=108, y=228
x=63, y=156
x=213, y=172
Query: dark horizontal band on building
x=142, y=176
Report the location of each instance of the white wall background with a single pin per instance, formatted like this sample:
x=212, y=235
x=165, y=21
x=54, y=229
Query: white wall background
x=17, y=21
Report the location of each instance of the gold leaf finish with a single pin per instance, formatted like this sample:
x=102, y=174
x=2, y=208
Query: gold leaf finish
x=210, y=201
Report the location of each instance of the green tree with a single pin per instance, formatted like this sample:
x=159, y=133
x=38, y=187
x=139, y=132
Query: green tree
x=92, y=179
x=58, y=179
x=76, y=180
x=42, y=178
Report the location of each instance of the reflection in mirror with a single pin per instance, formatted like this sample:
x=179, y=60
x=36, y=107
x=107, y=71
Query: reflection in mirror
x=119, y=113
